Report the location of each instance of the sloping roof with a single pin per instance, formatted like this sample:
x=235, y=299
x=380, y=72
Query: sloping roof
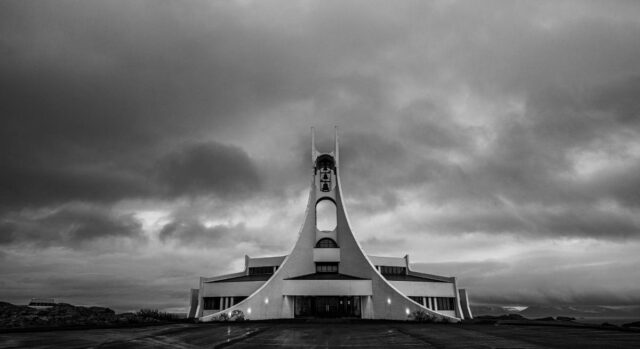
x=257, y=277
x=223, y=277
x=417, y=276
x=264, y=261
x=326, y=276
x=388, y=261
x=431, y=276
x=395, y=277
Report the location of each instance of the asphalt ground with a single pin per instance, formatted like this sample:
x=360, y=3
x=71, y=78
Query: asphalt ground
x=327, y=335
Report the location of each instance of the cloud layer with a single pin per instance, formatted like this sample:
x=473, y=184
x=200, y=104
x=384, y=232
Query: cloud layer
x=473, y=134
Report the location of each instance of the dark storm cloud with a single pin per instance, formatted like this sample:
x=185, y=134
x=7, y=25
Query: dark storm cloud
x=193, y=232
x=620, y=184
x=86, y=102
x=530, y=160
x=388, y=165
x=34, y=185
x=209, y=168
x=190, y=169
x=69, y=226
x=620, y=98
x=431, y=125
x=539, y=222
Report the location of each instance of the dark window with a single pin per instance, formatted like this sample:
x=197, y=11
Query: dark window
x=326, y=243
x=326, y=267
x=260, y=270
x=386, y=270
x=445, y=303
x=211, y=303
x=416, y=299
x=325, y=162
x=238, y=299
x=325, y=165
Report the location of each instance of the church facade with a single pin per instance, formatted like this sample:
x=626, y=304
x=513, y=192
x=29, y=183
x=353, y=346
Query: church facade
x=327, y=273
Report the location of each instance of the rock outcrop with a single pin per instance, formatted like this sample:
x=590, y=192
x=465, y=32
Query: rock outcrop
x=65, y=315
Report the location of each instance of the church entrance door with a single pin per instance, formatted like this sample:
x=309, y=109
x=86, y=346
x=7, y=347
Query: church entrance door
x=327, y=306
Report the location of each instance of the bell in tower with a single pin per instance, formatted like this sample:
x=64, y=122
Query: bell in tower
x=325, y=164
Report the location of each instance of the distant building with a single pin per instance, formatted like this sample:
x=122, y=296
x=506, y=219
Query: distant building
x=327, y=274
x=42, y=303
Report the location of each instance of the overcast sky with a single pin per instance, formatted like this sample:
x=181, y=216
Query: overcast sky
x=144, y=144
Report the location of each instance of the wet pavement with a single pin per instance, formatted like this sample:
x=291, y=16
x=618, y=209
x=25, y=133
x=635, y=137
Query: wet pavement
x=326, y=335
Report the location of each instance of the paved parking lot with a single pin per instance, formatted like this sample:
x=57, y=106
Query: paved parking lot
x=327, y=335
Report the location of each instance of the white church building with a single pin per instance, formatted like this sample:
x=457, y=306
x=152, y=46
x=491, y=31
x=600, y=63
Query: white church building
x=327, y=273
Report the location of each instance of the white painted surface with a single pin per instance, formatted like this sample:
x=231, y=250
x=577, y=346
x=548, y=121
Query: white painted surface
x=230, y=289
x=327, y=288
x=326, y=255
x=265, y=261
x=425, y=289
x=388, y=261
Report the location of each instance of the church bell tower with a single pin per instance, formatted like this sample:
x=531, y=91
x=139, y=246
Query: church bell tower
x=327, y=272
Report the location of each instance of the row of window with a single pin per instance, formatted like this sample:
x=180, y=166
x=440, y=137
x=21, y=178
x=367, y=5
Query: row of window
x=435, y=303
x=261, y=270
x=221, y=303
x=386, y=270
x=326, y=267
x=445, y=303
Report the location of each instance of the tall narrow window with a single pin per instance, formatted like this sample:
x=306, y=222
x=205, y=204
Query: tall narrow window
x=326, y=215
x=260, y=270
x=211, y=303
x=416, y=299
x=387, y=270
x=445, y=303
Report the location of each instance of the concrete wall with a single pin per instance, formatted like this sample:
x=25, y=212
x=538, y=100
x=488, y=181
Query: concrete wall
x=230, y=289
x=464, y=304
x=425, y=289
x=264, y=261
x=388, y=261
x=193, y=303
x=327, y=288
x=326, y=255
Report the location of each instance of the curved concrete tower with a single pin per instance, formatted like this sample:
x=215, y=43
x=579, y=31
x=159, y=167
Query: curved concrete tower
x=327, y=273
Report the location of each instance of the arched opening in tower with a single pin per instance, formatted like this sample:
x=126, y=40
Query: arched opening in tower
x=326, y=215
